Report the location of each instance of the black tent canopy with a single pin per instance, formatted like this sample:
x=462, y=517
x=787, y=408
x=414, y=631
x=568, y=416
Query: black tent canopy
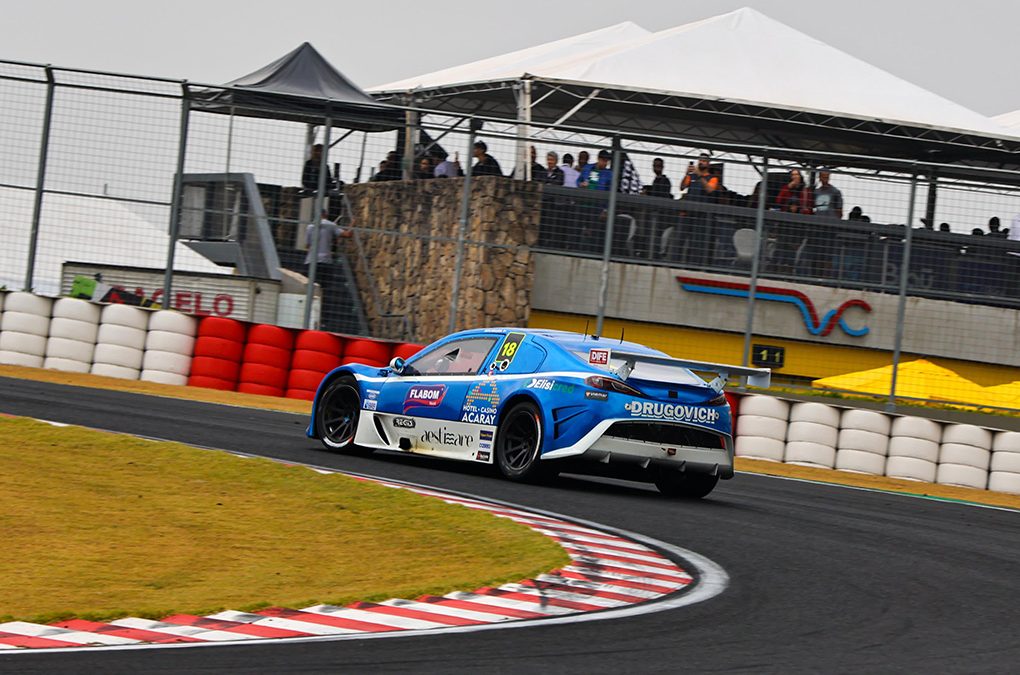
x=301, y=86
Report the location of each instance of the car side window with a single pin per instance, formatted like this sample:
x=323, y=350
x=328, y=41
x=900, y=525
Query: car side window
x=460, y=357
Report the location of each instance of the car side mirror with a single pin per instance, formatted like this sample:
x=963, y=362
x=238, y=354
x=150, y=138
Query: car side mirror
x=397, y=365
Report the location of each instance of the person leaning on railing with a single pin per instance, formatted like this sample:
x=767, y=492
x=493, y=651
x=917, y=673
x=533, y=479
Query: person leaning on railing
x=701, y=186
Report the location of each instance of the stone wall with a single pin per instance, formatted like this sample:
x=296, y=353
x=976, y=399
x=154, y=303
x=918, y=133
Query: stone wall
x=405, y=255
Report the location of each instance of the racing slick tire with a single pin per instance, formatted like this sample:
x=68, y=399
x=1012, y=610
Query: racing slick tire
x=682, y=485
x=337, y=414
x=519, y=443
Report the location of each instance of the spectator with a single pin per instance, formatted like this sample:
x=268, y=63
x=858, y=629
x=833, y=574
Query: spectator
x=582, y=162
x=310, y=173
x=598, y=176
x=794, y=197
x=389, y=169
x=444, y=167
x=537, y=169
x=570, y=174
x=976, y=232
x=661, y=186
x=995, y=228
x=329, y=233
x=856, y=214
x=424, y=169
x=486, y=164
x=552, y=174
x=944, y=227
x=828, y=199
x=701, y=187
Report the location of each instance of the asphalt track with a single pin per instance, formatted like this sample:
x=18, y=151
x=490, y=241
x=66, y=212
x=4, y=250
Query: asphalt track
x=822, y=578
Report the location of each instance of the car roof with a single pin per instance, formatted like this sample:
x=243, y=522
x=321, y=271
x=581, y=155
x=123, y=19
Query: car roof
x=572, y=342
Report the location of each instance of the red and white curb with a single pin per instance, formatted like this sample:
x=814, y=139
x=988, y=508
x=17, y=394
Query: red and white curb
x=612, y=574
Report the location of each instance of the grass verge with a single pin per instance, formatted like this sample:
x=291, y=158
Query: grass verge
x=99, y=525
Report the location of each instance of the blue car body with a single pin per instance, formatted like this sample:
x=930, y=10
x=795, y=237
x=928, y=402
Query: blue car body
x=610, y=402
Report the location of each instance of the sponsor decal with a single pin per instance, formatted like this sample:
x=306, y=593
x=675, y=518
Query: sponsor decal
x=482, y=455
x=372, y=394
x=508, y=349
x=550, y=385
x=599, y=357
x=403, y=422
x=487, y=445
x=485, y=435
x=673, y=411
x=371, y=405
x=443, y=436
x=480, y=403
x=593, y=395
x=424, y=395
x=815, y=326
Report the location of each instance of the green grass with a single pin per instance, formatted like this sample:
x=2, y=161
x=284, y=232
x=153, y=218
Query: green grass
x=98, y=525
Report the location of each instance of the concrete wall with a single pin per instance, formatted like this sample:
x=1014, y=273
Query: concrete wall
x=412, y=252
x=989, y=335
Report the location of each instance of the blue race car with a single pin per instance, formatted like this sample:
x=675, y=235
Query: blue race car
x=536, y=402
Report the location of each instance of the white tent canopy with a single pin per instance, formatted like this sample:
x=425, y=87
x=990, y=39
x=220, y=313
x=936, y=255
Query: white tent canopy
x=74, y=228
x=742, y=56
x=1009, y=121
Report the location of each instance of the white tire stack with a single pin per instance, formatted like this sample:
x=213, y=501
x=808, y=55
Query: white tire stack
x=811, y=435
x=120, y=342
x=24, y=328
x=73, y=331
x=964, y=456
x=168, y=347
x=1005, y=466
x=761, y=428
x=863, y=441
x=914, y=449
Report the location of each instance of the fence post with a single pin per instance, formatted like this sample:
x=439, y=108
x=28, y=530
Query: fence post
x=759, y=233
x=175, y=202
x=901, y=309
x=313, y=245
x=40, y=181
x=607, y=247
x=465, y=214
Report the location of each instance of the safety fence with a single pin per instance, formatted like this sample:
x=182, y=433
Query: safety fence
x=866, y=275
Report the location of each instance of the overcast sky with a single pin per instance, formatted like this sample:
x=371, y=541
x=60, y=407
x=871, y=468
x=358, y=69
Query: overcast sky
x=965, y=51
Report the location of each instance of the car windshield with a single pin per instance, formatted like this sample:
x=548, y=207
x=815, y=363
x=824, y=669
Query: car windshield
x=462, y=357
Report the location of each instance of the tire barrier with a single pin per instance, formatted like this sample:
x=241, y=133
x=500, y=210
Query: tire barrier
x=315, y=354
x=74, y=329
x=761, y=428
x=964, y=456
x=216, y=361
x=169, y=347
x=120, y=342
x=367, y=352
x=24, y=329
x=811, y=435
x=406, y=350
x=265, y=363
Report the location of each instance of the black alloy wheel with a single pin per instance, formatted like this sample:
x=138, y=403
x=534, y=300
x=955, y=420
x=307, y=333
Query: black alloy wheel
x=683, y=485
x=519, y=442
x=336, y=415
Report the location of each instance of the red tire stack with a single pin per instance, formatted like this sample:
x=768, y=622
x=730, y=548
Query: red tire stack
x=217, y=358
x=367, y=352
x=315, y=354
x=266, y=360
x=406, y=350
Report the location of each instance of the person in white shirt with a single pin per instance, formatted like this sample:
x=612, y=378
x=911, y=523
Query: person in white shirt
x=570, y=174
x=444, y=167
x=329, y=232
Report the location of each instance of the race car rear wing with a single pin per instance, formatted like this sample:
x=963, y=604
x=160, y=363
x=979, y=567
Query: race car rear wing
x=755, y=377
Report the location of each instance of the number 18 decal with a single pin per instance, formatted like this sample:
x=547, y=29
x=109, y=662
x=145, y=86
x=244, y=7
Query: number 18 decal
x=508, y=350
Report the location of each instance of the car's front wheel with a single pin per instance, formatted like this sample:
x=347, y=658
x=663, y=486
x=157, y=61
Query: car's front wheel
x=519, y=442
x=337, y=413
x=685, y=485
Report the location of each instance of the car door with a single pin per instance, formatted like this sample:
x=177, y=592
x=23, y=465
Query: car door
x=422, y=408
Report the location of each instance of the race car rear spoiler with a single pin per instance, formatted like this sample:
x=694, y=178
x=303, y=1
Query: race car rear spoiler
x=755, y=377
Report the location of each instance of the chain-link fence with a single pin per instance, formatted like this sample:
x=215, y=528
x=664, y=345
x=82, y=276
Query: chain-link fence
x=871, y=275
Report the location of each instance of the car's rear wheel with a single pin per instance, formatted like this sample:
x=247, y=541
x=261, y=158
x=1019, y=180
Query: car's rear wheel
x=683, y=485
x=519, y=442
x=337, y=413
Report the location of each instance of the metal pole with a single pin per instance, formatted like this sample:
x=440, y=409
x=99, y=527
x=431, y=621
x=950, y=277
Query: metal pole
x=901, y=309
x=465, y=214
x=361, y=162
x=40, y=181
x=523, y=168
x=175, y=203
x=759, y=234
x=410, y=141
x=933, y=197
x=313, y=245
x=607, y=247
